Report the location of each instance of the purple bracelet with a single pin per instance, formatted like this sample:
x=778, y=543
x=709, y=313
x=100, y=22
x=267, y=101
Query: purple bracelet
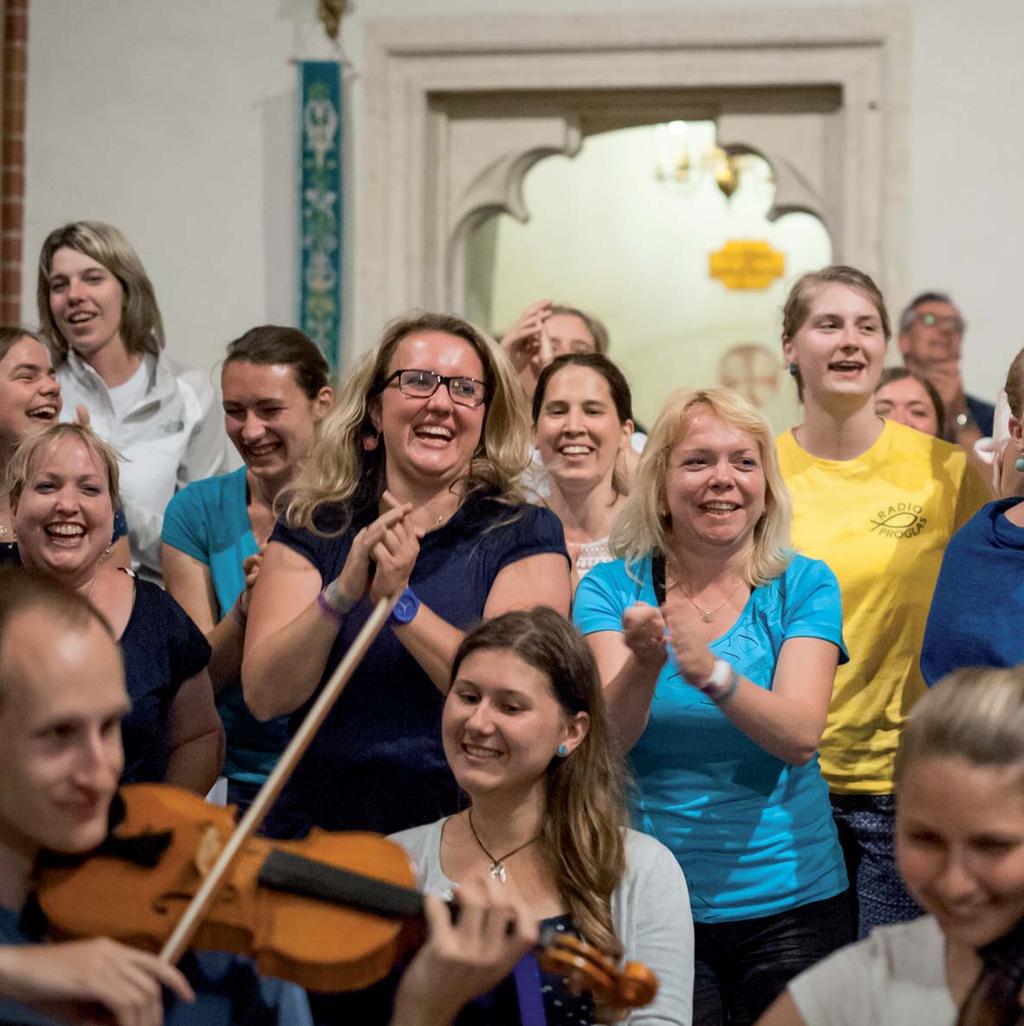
x=336, y=614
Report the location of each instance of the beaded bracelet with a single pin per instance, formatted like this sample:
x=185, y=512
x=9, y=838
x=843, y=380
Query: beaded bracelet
x=336, y=613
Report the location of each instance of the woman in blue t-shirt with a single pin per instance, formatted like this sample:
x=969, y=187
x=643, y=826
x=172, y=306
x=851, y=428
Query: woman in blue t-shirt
x=408, y=491
x=717, y=647
x=275, y=387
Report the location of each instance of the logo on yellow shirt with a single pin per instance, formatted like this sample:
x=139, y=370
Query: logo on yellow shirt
x=900, y=520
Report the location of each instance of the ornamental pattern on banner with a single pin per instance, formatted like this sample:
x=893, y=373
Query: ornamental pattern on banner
x=320, y=204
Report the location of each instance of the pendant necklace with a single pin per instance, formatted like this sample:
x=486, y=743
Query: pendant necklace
x=706, y=614
x=497, y=869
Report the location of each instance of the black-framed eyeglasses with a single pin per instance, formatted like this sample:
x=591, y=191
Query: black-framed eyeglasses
x=947, y=322
x=422, y=384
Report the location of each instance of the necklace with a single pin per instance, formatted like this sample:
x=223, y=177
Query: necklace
x=497, y=869
x=706, y=614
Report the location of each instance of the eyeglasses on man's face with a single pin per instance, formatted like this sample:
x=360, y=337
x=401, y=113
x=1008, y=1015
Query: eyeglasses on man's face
x=422, y=384
x=946, y=322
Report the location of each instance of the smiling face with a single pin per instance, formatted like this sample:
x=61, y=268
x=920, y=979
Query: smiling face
x=65, y=517
x=960, y=845
x=61, y=708
x=578, y=431
x=907, y=401
x=429, y=441
x=502, y=724
x=268, y=418
x=29, y=391
x=86, y=301
x=714, y=488
x=840, y=347
x=934, y=336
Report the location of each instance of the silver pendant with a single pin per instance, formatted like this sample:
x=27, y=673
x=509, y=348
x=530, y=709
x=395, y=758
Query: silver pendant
x=706, y=617
x=497, y=871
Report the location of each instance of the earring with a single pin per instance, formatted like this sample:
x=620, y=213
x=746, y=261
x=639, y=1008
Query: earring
x=370, y=442
x=1018, y=463
x=793, y=369
x=562, y=750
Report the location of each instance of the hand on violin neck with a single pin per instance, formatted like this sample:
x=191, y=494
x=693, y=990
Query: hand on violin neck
x=73, y=980
x=465, y=957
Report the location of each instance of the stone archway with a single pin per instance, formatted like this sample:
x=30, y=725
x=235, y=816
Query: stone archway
x=457, y=111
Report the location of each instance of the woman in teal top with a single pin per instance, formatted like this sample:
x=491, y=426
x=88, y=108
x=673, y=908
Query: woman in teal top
x=274, y=382
x=717, y=647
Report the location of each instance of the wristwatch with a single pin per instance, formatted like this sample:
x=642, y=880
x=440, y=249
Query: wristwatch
x=724, y=679
x=406, y=608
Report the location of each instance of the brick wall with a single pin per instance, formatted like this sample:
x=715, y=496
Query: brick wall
x=12, y=154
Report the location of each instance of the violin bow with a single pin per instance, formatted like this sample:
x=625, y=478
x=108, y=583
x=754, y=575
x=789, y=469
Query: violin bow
x=178, y=942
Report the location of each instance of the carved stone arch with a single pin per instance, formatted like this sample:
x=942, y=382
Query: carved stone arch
x=505, y=151
x=455, y=111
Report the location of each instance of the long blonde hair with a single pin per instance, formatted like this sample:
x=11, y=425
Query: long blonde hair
x=346, y=463
x=582, y=834
x=642, y=529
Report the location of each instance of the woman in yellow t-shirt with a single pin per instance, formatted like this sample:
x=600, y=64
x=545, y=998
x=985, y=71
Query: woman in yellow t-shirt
x=878, y=502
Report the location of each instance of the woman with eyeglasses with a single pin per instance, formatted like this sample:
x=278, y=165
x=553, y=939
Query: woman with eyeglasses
x=408, y=490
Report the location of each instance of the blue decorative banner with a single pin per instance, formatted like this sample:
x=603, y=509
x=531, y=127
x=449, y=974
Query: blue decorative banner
x=320, y=204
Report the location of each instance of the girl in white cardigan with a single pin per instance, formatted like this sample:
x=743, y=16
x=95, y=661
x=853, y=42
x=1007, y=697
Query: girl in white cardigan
x=525, y=733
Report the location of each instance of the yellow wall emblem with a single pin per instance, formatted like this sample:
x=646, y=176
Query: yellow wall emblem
x=746, y=264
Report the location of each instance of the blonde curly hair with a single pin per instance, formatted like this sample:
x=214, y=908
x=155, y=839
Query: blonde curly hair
x=340, y=470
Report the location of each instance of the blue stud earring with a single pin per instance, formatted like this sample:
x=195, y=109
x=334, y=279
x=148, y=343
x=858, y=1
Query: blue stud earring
x=1018, y=463
x=562, y=751
x=793, y=369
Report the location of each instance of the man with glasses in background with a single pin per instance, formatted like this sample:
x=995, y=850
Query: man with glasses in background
x=931, y=336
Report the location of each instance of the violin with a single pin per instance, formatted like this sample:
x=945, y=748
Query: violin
x=330, y=912
x=994, y=1000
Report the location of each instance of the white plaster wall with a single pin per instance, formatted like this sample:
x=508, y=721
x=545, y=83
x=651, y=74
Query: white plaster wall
x=174, y=121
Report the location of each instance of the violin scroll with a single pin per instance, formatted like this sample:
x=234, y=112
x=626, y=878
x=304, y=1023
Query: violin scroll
x=587, y=968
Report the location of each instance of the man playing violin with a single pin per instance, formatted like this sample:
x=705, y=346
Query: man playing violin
x=62, y=699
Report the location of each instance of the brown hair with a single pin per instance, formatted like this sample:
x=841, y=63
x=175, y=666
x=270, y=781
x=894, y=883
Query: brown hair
x=1015, y=385
x=891, y=374
x=598, y=332
x=11, y=334
x=271, y=345
x=142, y=328
x=806, y=288
x=582, y=837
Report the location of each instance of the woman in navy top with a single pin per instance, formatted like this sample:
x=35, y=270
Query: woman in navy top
x=408, y=491
x=717, y=647
x=29, y=400
x=64, y=486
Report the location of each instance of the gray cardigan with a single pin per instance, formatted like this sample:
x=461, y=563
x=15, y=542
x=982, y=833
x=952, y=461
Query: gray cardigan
x=650, y=912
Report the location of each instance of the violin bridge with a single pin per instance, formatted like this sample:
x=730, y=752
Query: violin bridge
x=208, y=850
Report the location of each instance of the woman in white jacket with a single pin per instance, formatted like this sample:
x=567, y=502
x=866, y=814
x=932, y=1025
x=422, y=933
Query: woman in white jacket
x=99, y=311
